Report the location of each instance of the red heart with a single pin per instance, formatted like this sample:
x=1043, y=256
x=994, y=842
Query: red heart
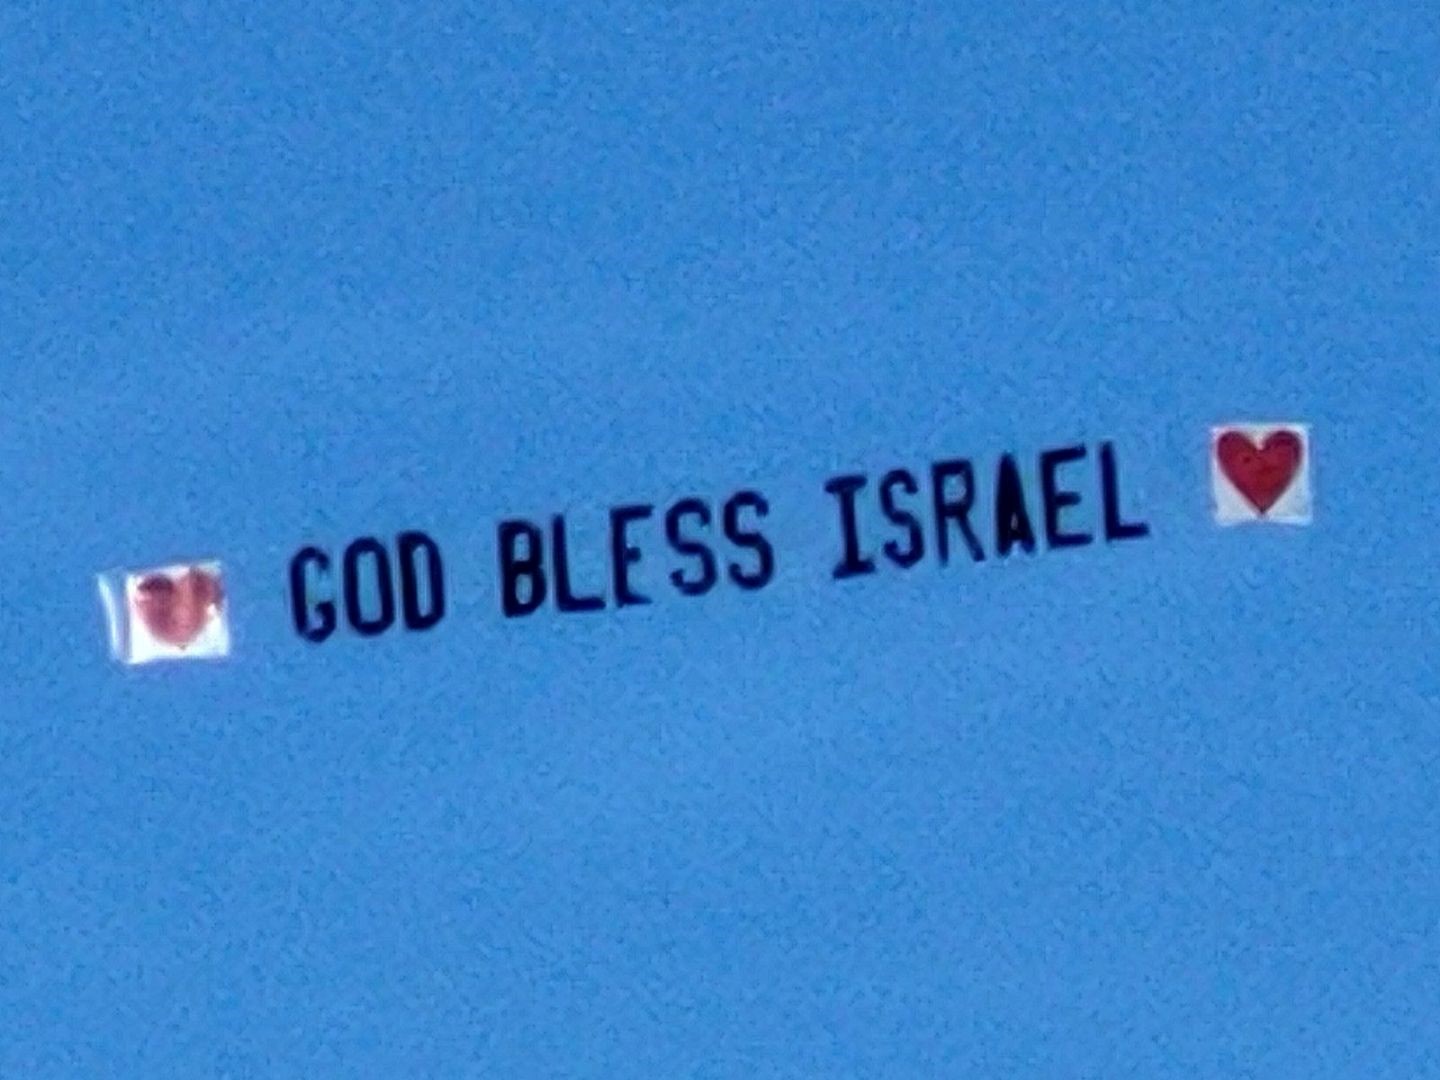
x=177, y=609
x=1260, y=473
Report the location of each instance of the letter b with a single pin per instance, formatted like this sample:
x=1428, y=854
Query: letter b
x=516, y=567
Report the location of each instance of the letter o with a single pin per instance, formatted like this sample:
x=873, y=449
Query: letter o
x=384, y=587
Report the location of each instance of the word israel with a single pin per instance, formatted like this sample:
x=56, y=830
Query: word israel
x=966, y=508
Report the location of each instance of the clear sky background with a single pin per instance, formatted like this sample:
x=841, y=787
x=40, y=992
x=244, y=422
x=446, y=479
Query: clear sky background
x=306, y=272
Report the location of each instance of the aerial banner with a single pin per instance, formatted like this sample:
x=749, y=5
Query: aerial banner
x=947, y=512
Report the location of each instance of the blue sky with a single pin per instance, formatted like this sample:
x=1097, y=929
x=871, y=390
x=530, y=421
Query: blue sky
x=293, y=276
